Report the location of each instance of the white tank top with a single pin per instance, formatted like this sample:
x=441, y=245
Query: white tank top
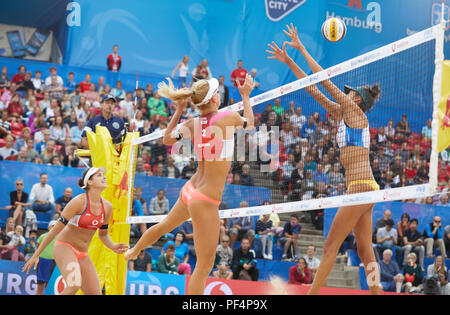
x=184, y=69
x=347, y=136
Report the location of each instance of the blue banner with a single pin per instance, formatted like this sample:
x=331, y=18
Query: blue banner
x=154, y=36
x=149, y=283
x=15, y=282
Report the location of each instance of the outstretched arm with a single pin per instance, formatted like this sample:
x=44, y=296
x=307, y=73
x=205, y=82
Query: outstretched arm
x=171, y=135
x=333, y=108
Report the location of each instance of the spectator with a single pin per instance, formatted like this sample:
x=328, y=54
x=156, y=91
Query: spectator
x=18, y=202
x=114, y=60
x=246, y=178
x=58, y=131
x=91, y=94
x=114, y=124
x=402, y=226
x=238, y=74
x=443, y=200
x=433, y=236
x=183, y=69
x=278, y=108
x=413, y=242
x=49, y=152
x=46, y=262
x=5, y=249
x=224, y=253
x=290, y=236
x=426, y=131
x=390, y=275
x=263, y=229
x=70, y=84
x=242, y=227
x=223, y=271
x=256, y=80
x=447, y=239
x=139, y=228
x=188, y=230
x=143, y=262
x=30, y=245
x=118, y=91
x=335, y=177
x=413, y=274
x=309, y=128
x=156, y=105
x=244, y=262
x=387, y=238
x=224, y=93
x=30, y=153
x=76, y=132
x=5, y=80
x=189, y=170
x=159, y=204
x=445, y=286
x=311, y=261
x=181, y=252
x=298, y=119
x=55, y=88
x=8, y=150
x=203, y=71
x=38, y=83
x=16, y=241
x=170, y=170
x=20, y=142
x=62, y=201
x=382, y=222
x=309, y=186
x=402, y=127
x=54, y=73
x=168, y=262
x=319, y=175
x=297, y=176
x=18, y=77
x=41, y=196
x=158, y=153
x=437, y=267
x=300, y=273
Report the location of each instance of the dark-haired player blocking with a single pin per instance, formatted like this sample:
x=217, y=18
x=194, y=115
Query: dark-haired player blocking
x=349, y=109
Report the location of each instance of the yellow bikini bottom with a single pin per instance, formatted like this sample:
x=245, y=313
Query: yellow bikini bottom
x=371, y=183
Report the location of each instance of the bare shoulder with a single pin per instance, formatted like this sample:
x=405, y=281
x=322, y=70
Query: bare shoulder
x=107, y=203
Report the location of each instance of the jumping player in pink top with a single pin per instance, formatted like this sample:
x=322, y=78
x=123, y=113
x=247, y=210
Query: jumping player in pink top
x=213, y=137
x=80, y=219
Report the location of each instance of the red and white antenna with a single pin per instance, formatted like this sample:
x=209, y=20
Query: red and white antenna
x=133, y=125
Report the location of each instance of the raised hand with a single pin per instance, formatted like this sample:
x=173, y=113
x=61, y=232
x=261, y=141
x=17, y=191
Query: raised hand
x=292, y=33
x=248, y=86
x=277, y=53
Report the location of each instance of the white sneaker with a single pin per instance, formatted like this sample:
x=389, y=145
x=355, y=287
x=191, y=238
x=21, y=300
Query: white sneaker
x=269, y=256
x=265, y=256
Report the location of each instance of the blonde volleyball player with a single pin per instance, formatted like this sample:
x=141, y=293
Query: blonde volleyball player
x=353, y=139
x=80, y=219
x=213, y=137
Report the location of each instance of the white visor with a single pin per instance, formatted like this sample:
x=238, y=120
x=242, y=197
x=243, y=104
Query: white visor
x=91, y=172
x=213, y=89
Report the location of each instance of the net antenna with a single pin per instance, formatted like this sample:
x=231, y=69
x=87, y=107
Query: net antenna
x=425, y=37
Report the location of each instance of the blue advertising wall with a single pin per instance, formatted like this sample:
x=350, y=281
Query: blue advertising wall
x=15, y=282
x=60, y=177
x=154, y=35
x=424, y=214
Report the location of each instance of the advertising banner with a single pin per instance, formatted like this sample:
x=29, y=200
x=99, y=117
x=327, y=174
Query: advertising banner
x=15, y=282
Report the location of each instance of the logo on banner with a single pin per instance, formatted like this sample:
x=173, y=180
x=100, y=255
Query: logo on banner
x=60, y=285
x=436, y=12
x=222, y=288
x=278, y=9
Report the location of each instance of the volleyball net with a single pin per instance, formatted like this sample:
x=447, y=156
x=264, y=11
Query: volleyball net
x=292, y=159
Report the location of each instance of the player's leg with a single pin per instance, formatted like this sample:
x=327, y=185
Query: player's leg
x=206, y=224
x=177, y=215
x=69, y=267
x=363, y=236
x=91, y=283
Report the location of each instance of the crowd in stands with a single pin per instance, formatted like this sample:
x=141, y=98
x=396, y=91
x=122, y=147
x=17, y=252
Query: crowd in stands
x=43, y=117
x=400, y=249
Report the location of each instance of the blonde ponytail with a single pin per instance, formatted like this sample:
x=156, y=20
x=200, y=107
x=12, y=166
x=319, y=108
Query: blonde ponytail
x=169, y=91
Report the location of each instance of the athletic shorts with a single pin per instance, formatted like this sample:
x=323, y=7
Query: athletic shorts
x=44, y=270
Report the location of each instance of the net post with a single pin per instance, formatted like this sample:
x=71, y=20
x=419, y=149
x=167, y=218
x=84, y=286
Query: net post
x=437, y=84
x=130, y=178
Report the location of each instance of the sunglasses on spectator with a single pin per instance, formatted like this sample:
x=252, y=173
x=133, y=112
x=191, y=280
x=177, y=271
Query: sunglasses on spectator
x=19, y=184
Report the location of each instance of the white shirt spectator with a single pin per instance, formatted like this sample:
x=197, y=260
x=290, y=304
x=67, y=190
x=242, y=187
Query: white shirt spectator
x=16, y=240
x=313, y=262
x=48, y=80
x=128, y=106
x=5, y=152
x=38, y=83
x=39, y=192
x=159, y=206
